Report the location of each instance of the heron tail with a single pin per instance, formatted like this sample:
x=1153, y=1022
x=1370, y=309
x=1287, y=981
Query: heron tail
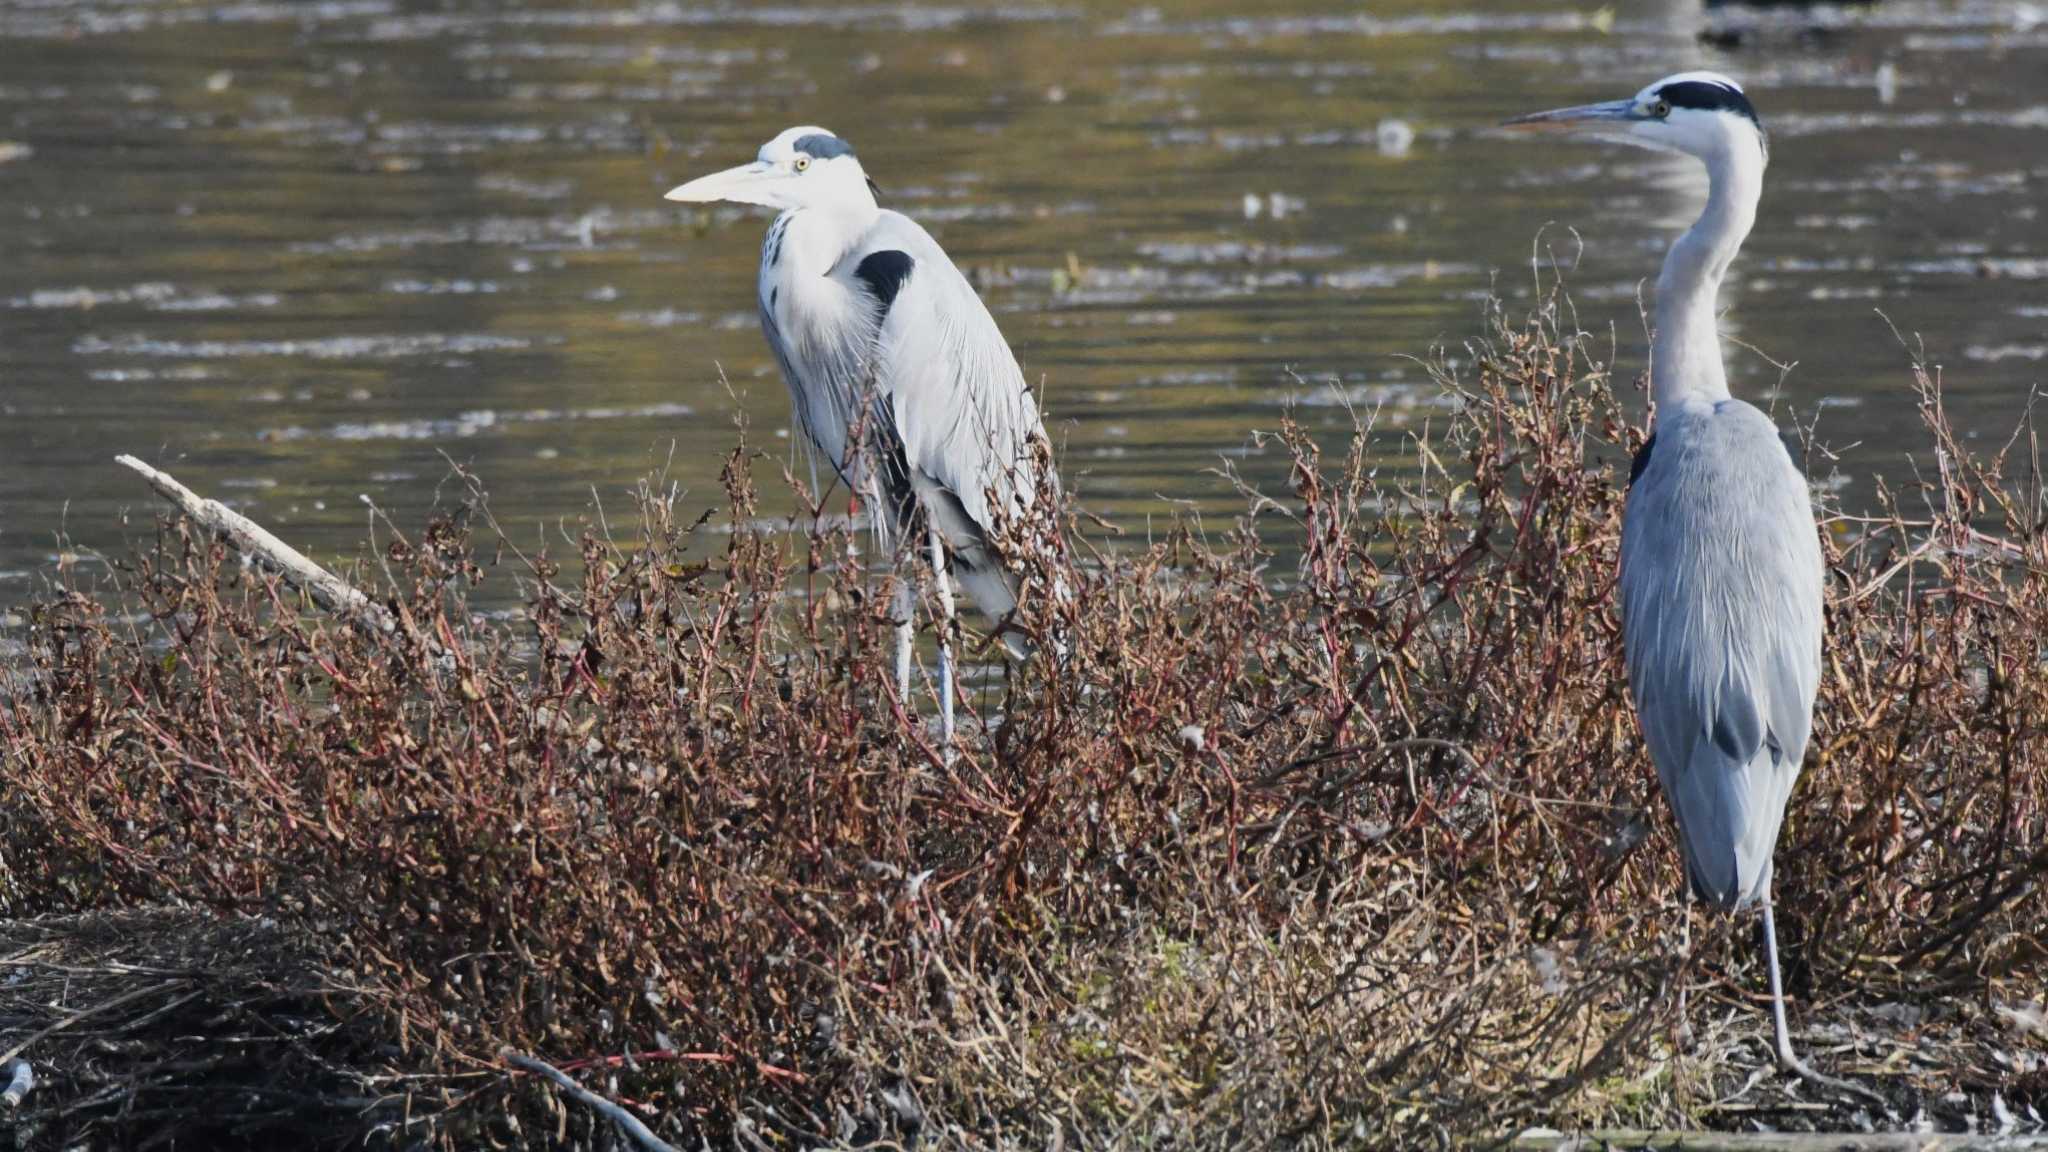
x=1729, y=810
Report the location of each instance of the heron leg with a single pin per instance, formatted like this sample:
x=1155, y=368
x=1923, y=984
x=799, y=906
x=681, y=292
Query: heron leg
x=902, y=606
x=1788, y=1059
x=1684, y=961
x=902, y=603
x=853, y=527
x=945, y=591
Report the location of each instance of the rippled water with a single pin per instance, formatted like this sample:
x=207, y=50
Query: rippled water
x=296, y=252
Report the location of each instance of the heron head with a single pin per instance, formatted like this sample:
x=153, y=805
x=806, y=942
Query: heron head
x=804, y=167
x=1702, y=114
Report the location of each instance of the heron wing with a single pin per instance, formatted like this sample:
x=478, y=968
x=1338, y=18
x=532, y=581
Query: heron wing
x=951, y=392
x=1721, y=611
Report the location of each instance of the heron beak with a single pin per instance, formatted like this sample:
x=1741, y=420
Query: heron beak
x=1612, y=114
x=746, y=184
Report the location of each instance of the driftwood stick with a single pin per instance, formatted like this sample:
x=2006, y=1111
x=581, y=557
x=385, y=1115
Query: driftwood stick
x=251, y=539
x=626, y=1121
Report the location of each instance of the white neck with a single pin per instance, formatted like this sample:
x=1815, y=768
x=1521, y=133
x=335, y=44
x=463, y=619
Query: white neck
x=1685, y=353
x=817, y=237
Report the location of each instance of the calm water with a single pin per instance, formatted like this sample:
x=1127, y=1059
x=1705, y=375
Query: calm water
x=298, y=251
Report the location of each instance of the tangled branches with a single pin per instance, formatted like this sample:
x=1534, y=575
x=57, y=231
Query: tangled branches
x=1337, y=826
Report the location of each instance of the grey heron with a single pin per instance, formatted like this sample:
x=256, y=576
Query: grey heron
x=899, y=376
x=1721, y=572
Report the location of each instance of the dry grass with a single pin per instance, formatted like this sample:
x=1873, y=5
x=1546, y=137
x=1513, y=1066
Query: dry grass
x=1359, y=850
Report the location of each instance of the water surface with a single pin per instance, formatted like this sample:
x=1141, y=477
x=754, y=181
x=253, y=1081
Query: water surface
x=304, y=254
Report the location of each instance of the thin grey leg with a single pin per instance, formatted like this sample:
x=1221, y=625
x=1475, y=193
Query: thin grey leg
x=901, y=606
x=1684, y=961
x=1780, y=1031
x=944, y=587
x=1788, y=1059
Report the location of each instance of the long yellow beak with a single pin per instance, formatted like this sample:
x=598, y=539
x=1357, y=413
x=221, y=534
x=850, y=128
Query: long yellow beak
x=746, y=184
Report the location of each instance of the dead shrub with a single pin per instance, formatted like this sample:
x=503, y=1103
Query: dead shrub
x=1336, y=826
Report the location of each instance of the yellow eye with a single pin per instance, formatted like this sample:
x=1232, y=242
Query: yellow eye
x=1661, y=109
x=802, y=161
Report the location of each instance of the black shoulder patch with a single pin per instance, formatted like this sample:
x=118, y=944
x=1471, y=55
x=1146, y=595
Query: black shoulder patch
x=821, y=146
x=1709, y=97
x=1641, y=460
x=884, y=273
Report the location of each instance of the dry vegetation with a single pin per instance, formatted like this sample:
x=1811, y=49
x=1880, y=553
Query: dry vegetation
x=1359, y=849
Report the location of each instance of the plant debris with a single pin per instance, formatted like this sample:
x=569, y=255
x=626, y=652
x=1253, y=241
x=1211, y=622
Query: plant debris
x=163, y=1027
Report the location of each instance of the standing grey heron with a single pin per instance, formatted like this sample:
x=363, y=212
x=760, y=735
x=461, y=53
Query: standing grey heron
x=1721, y=573
x=900, y=378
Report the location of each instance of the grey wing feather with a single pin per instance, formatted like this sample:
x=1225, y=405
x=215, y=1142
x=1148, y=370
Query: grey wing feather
x=1721, y=585
x=961, y=405
x=965, y=419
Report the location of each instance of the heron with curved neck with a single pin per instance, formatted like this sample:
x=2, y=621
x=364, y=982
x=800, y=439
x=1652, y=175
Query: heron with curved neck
x=900, y=378
x=1721, y=573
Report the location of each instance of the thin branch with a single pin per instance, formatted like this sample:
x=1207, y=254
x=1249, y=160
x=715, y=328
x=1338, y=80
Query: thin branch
x=82, y=1013
x=626, y=1121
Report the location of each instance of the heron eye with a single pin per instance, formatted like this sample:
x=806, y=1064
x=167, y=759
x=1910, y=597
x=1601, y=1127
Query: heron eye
x=802, y=161
x=1661, y=109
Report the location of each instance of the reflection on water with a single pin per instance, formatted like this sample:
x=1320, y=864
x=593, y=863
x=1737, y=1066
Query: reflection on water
x=298, y=251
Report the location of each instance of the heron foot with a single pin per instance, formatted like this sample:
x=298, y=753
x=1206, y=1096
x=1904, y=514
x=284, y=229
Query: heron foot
x=1682, y=1033
x=1781, y=1032
x=1790, y=1063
